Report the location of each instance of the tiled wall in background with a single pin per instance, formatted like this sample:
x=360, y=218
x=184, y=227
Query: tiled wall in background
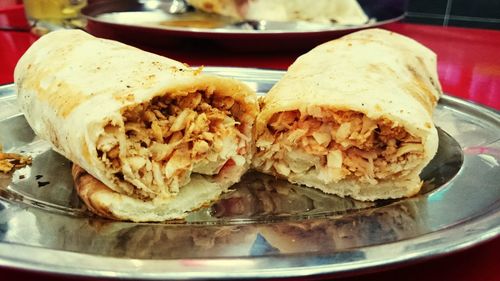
x=465, y=13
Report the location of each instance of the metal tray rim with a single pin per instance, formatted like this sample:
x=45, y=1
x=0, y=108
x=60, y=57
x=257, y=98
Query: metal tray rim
x=222, y=31
x=487, y=224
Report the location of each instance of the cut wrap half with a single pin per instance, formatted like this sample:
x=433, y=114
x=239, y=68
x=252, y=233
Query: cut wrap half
x=353, y=117
x=151, y=129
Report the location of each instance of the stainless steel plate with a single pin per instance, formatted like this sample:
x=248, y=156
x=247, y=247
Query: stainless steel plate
x=167, y=22
x=265, y=227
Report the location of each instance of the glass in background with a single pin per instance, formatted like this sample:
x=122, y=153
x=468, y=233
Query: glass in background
x=47, y=15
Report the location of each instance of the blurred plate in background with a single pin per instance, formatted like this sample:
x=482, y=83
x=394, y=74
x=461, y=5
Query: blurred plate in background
x=172, y=23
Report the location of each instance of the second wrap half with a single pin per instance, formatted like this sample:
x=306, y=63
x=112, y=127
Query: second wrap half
x=353, y=117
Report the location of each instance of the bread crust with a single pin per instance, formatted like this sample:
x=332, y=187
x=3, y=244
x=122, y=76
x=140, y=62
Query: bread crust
x=88, y=189
x=110, y=204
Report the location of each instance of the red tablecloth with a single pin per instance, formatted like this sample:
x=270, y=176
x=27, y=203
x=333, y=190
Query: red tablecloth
x=469, y=68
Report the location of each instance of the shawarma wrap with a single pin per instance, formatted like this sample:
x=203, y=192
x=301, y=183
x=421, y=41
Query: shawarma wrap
x=163, y=138
x=353, y=117
x=321, y=11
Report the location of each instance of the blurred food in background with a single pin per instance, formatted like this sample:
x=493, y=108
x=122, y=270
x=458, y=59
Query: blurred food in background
x=321, y=11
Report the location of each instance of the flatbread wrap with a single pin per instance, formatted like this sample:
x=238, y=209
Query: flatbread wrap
x=353, y=117
x=347, y=12
x=162, y=138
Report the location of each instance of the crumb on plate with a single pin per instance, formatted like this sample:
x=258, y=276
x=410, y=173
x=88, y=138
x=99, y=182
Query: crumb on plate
x=11, y=161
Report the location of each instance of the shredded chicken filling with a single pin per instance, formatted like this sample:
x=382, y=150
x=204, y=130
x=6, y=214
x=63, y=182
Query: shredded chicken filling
x=12, y=161
x=169, y=138
x=335, y=145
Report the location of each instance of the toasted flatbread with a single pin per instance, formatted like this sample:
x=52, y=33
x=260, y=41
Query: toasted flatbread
x=108, y=203
x=151, y=129
x=353, y=117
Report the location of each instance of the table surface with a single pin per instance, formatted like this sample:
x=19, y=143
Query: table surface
x=468, y=66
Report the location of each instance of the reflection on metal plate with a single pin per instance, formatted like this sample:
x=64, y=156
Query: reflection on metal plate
x=265, y=227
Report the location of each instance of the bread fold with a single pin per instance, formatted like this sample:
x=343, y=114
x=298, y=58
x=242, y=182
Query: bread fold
x=149, y=128
x=353, y=117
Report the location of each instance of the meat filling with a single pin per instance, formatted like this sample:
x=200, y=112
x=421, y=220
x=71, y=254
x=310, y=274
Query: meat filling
x=169, y=138
x=11, y=161
x=333, y=145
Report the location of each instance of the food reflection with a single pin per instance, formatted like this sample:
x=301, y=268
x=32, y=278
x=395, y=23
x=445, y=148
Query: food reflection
x=95, y=236
x=391, y=223
x=274, y=226
x=259, y=195
x=169, y=241
x=162, y=241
